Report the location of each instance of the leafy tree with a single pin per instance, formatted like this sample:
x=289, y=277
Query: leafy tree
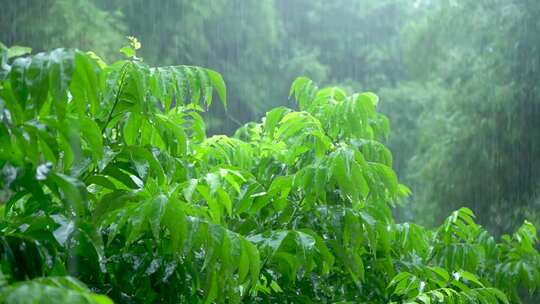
x=108, y=176
x=356, y=40
x=480, y=142
x=270, y=40
x=48, y=24
x=247, y=34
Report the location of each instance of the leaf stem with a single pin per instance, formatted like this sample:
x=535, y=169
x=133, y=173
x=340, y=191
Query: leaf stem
x=117, y=97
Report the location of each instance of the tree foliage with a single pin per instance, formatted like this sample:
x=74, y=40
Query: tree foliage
x=459, y=77
x=108, y=176
x=48, y=24
x=478, y=136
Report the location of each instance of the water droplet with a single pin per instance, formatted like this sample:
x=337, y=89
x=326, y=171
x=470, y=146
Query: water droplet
x=43, y=170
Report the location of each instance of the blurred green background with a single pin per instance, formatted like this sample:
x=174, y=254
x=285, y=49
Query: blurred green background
x=459, y=79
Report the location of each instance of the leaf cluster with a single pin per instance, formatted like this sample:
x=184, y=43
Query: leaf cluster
x=107, y=176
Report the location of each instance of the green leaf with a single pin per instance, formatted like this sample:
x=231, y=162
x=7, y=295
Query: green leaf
x=16, y=51
x=219, y=86
x=128, y=51
x=51, y=290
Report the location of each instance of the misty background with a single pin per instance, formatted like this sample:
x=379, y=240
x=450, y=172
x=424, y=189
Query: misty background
x=459, y=79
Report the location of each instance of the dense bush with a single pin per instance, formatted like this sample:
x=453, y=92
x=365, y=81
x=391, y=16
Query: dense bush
x=110, y=186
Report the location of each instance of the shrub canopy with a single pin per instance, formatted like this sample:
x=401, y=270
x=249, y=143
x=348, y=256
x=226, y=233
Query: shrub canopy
x=111, y=189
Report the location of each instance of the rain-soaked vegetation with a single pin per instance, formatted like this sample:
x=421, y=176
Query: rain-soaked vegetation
x=269, y=151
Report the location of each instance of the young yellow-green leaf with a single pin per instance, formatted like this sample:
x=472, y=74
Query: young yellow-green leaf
x=17, y=50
